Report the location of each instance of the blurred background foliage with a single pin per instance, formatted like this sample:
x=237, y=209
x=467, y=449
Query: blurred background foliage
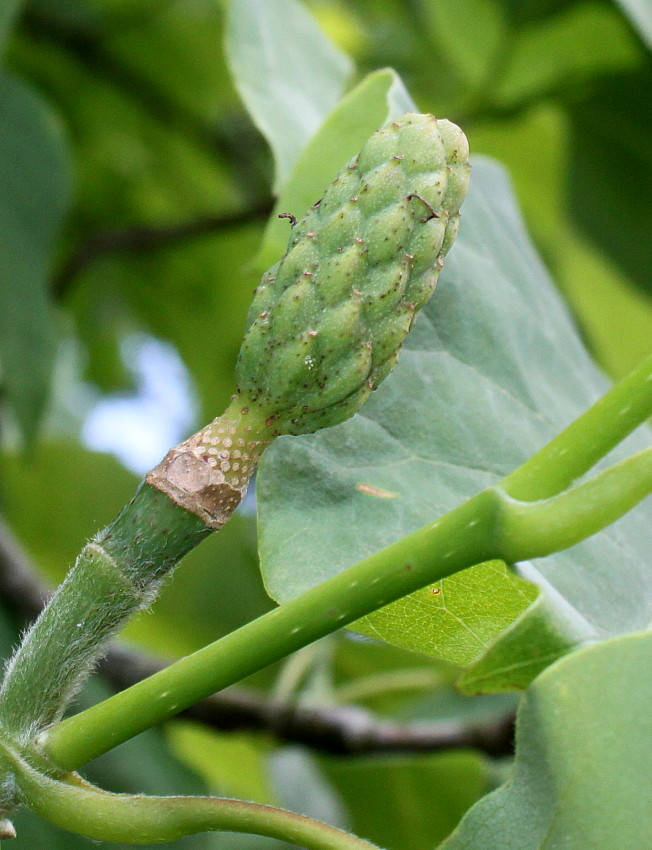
x=134, y=191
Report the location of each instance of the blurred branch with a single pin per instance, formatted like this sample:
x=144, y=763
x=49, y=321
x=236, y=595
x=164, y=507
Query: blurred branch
x=341, y=730
x=137, y=239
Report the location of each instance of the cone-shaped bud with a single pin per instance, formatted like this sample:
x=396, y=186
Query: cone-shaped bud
x=327, y=321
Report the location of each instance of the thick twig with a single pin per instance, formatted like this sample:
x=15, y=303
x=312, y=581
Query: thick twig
x=341, y=730
x=137, y=239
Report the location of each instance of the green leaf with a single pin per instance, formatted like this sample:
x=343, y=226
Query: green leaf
x=583, y=41
x=611, y=167
x=34, y=190
x=640, y=13
x=8, y=12
x=438, y=625
x=544, y=632
x=408, y=802
x=379, y=97
x=492, y=370
x=287, y=72
x=473, y=49
x=583, y=771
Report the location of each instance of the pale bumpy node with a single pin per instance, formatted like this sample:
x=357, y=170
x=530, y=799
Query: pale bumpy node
x=327, y=322
x=208, y=474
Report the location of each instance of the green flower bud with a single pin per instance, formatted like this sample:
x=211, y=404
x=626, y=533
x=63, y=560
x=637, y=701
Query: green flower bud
x=327, y=322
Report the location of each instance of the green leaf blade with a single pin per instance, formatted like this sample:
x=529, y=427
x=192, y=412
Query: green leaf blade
x=583, y=770
x=8, y=12
x=287, y=72
x=34, y=192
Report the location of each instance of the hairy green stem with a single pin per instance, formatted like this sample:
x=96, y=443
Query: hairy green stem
x=121, y=569
x=114, y=576
x=75, y=805
x=579, y=446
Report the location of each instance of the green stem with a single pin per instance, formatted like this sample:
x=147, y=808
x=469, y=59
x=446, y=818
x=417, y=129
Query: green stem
x=79, y=807
x=112, y=579
x=536, y=529
x=456, y=541
x=121, y=569
x=577, y=448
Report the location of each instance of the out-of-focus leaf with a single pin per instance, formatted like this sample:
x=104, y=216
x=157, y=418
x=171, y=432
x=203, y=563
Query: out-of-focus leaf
x=34, y=189
x=176, y=49
x=492, y=369
x=8, y=11
x=611, y=170
x=301, y=786
x=640, y=13
x=89, y=489
x=408, y=802
x=583, y=41
x=615, y=317
x=139, y=153
x=156, y=161
x=246, y=766
x=472, y=34
x=583, y=771
x=232, y=764
x=287, y=72
x=375, y=100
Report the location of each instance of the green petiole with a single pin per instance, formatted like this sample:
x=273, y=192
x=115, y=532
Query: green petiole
x=75, y=805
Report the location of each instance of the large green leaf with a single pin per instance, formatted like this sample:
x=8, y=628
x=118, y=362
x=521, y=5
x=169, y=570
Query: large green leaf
x=583, y=769
x=492, y=369
x=34, y=189
x=287, y=72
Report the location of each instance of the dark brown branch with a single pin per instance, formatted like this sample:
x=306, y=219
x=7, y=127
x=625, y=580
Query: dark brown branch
x=138, y=239
x=341, y=730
